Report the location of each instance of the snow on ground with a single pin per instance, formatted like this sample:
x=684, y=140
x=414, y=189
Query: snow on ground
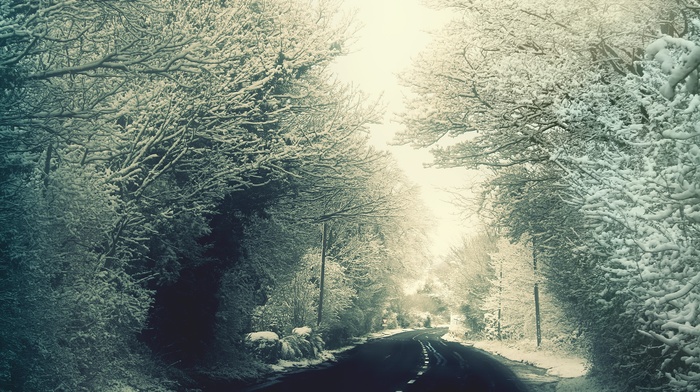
x=284, y=365
x=557, y=364
x=378, y=335
x=329, y=355
x=582, y=384
x=570, y=370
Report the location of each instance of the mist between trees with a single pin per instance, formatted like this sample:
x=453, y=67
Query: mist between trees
x=585, y=116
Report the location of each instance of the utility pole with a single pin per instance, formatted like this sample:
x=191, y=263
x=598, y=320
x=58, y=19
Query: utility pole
x=538, y=321
x=500, y=298
x=323, y=271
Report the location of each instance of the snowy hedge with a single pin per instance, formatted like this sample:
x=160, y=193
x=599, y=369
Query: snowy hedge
x=640, y=193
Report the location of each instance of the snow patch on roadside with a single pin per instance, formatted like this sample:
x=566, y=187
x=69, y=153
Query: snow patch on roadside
x=378, y=335
x=558, y=364
x=329, y=355
x=571, y=370
x=583, y=384
x=284, y=365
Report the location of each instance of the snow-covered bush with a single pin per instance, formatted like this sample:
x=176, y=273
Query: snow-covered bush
x=391, y=320
x=265, y=345
x=303, y=332
x=303, y=343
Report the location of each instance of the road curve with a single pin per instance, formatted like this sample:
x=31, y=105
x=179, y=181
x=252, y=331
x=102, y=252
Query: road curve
x=407, y=362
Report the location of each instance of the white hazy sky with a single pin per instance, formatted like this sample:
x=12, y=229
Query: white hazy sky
x=393, y=33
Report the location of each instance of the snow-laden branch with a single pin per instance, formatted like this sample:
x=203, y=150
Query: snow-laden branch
x=688, y=63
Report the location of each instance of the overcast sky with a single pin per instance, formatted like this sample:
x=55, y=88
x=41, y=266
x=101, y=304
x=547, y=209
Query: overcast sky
x=394, y=32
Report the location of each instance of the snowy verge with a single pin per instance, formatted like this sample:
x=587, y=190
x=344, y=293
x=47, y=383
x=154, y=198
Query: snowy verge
x=329, y=355
x=556, y=363
x=569, y=370
x=378, y=335
x=285, y=365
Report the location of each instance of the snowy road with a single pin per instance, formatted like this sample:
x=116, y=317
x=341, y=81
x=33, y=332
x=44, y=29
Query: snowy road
x=410, y=361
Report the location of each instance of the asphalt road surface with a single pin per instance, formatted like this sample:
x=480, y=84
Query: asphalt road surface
x=408, y=362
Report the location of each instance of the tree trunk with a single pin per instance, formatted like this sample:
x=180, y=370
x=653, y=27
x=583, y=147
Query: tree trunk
x=47, y=166
x=323, y=272
x=500, y=299
x=538, y=322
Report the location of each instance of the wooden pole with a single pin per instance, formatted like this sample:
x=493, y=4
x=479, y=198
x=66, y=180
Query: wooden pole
x=323, y=272
x=500, y=299
x=538, y=320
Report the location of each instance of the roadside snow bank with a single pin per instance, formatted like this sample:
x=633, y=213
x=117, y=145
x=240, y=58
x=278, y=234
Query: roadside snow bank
x=570, y=370
x=583, y=384
x=329, y=355
x=557, y=364
x=285, y=365
x=378, y=335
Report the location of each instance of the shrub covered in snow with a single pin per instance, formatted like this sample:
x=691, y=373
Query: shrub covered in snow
x=267, y=346
x=264, y=345
x=302, y=331
x=303, y=343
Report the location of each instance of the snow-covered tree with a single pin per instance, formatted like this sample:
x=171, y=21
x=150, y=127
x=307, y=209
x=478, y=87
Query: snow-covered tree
x=509, y=305
x=466, y=272
x=485, y=88
x=639, y=194
x=123, y=127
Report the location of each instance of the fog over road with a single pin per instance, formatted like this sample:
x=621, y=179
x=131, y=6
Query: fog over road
x=409, y=361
